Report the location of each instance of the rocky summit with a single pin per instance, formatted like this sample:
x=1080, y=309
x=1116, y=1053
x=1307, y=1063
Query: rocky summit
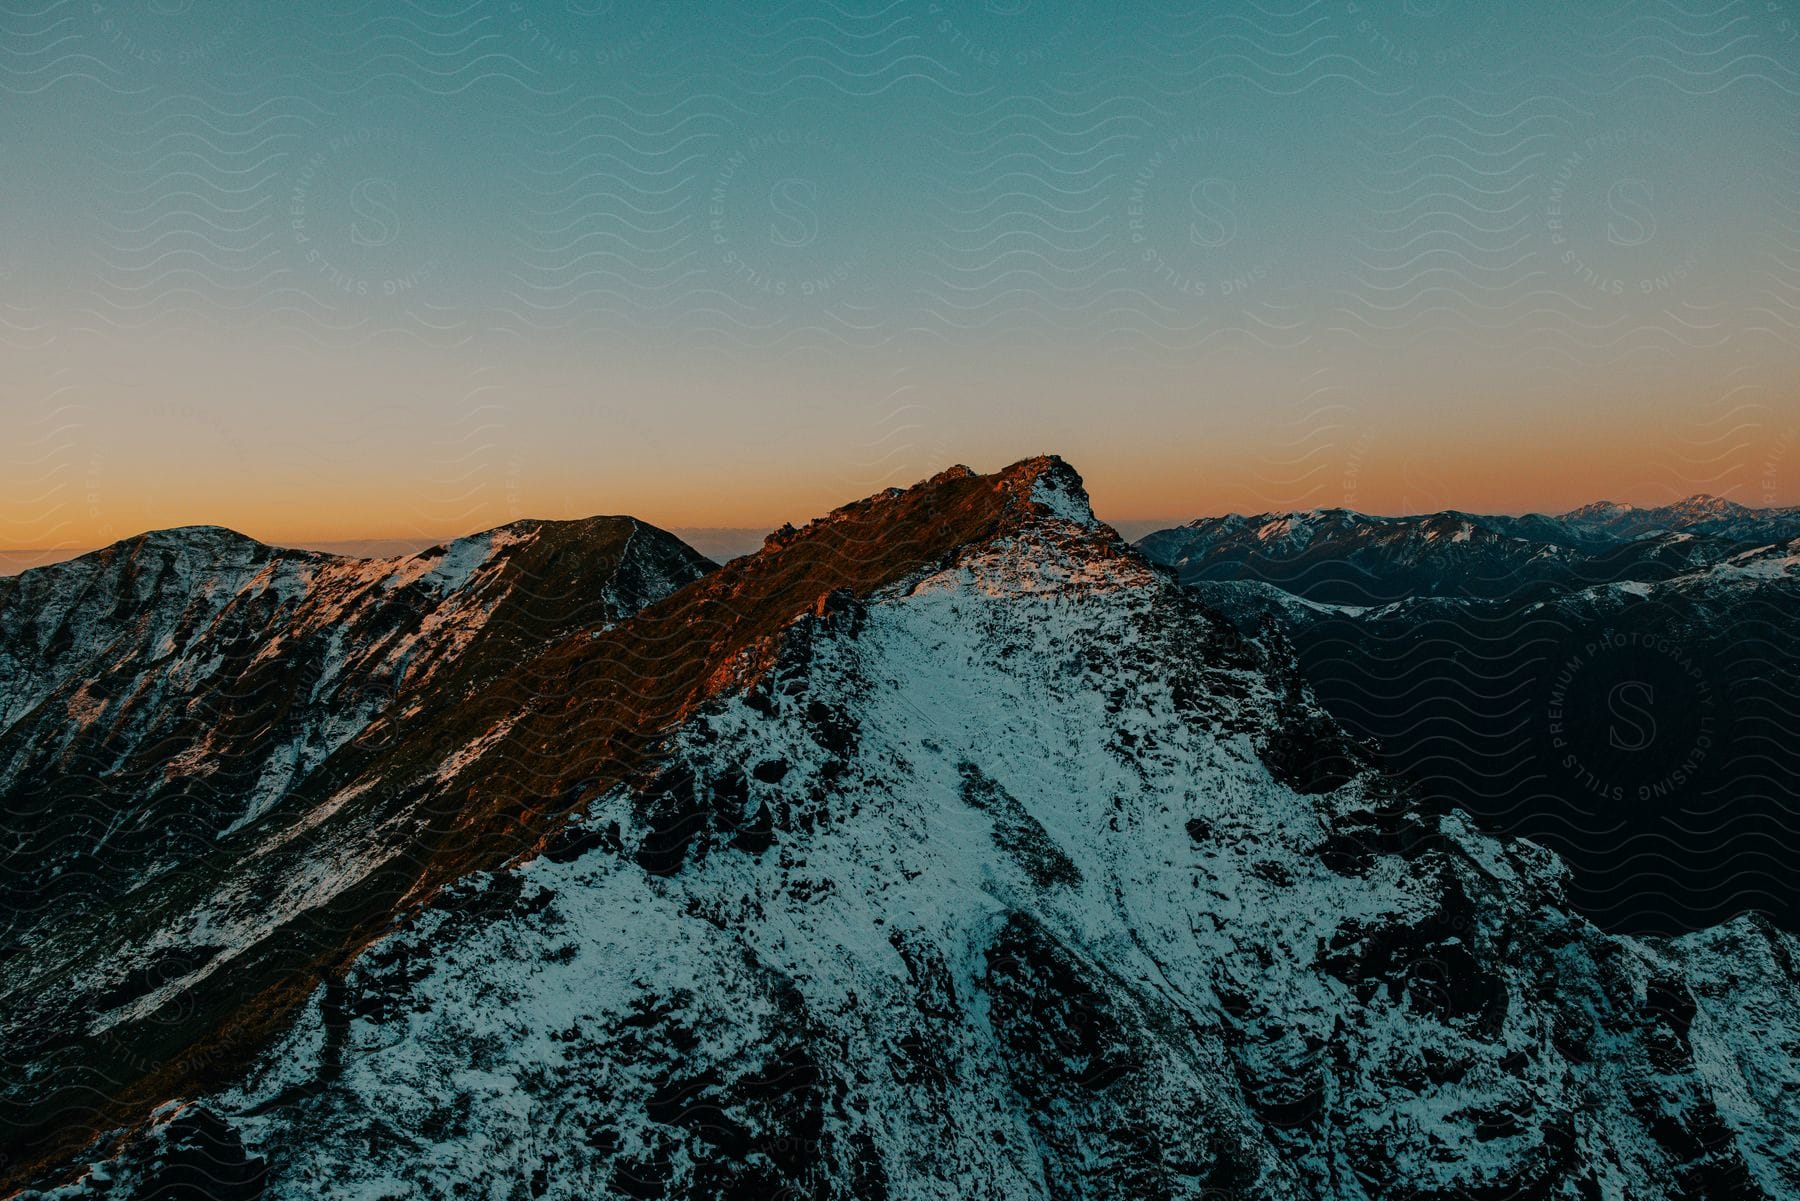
x=945, y=847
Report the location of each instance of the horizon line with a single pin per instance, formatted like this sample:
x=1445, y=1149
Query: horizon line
x=1141, y=526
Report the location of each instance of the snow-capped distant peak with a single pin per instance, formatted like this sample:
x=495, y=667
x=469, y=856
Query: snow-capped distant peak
x=1703, y=504
x=1598, y=509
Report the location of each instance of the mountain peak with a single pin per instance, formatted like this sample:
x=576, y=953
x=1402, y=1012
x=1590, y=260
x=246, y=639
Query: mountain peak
x=730, y=623
x=1599, y=508
x=1702, y=506
x=957, y=504
x=209, y=539
x=1706, y=504
x=1051, y=484
x=205, y=532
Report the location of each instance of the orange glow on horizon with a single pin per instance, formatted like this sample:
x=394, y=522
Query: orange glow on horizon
x=1367, y=476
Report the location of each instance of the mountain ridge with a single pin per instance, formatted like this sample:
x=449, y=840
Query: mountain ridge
x=947, y=847
x=1340, y=556
x=860, y=545
x=1700, y=506
x=218, y=671
x=1673, y=628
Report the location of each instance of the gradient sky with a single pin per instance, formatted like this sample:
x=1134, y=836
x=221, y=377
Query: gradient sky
x=337, y=270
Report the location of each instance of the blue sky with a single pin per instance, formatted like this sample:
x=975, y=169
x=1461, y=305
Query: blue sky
x=343, y=270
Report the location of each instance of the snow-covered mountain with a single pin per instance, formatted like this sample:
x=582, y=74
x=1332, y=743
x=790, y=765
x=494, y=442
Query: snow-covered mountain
x=1626, y=695
x=1701, y=514
x=174, y=687
x=943, y=848
x=1339, y=556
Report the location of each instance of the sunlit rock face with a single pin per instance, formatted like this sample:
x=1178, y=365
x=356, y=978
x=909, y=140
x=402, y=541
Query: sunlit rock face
x=950, y=849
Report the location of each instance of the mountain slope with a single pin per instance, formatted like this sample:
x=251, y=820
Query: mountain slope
x=172, y=688
x=943, y=849
x=208, y=958
x=1641, y=728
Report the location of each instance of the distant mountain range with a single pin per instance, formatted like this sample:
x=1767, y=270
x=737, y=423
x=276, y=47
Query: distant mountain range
x=1620, y=684
x=1339, y=556
x=943, y=847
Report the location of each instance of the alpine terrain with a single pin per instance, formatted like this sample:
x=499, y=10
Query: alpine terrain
x=1620, y=684
x=170, y=689
x=946, y=847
